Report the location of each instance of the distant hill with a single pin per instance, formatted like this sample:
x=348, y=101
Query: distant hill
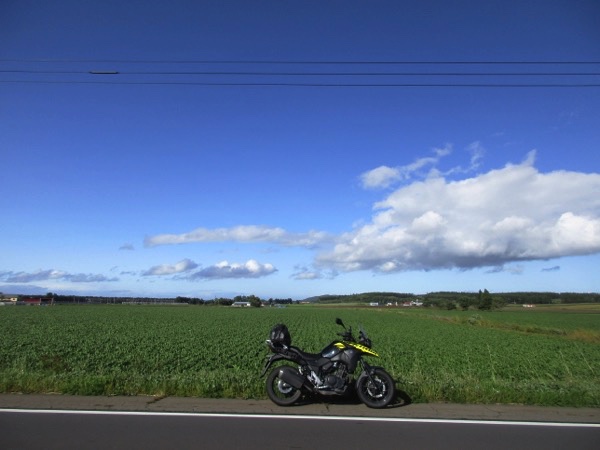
x=440, y=297
x=366, y=297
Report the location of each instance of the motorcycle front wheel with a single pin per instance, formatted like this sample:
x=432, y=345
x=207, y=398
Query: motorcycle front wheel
x=376, y=391
x=279, y=391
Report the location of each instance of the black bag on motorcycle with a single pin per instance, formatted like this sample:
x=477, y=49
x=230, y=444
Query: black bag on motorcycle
x=280, y=336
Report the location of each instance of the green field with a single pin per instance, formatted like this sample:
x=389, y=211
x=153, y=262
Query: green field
x=543, y=356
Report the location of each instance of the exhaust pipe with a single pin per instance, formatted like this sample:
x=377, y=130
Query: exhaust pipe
x=291, y=376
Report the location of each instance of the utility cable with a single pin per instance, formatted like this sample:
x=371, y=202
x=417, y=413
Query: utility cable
x=306, y=62
x=326, y=85
x=287, y=74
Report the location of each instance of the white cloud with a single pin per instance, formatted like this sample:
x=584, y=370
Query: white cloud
x=224, y=269
x=385, y=176
x=380, y=177
x=242, y=233
x=512, y=214
x=307, y=275
x=185, y=269
x=312, y=273
x=476, y=151
x=53, y=274
x=168, y=269
x=495, y=220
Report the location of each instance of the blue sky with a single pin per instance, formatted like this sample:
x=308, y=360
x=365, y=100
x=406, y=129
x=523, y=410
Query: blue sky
x=153, y=182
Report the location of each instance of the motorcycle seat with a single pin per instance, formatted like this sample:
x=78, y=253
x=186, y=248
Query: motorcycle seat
x=305, y=355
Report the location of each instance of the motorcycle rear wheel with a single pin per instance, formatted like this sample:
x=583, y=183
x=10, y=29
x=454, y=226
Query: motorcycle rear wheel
x=376, y=391
x=279, y=391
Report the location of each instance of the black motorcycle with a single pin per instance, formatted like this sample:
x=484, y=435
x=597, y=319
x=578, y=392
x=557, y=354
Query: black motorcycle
x=329, y=373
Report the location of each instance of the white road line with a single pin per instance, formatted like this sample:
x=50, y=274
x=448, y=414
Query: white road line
x=304, y=417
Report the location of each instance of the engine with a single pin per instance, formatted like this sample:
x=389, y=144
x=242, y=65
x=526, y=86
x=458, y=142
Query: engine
x=336, y=377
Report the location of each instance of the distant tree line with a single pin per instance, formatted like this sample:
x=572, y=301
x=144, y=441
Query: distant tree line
x=482, y=300
x=53, y=298
x=367, y=297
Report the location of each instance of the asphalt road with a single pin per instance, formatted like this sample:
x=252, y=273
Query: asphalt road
x=77, y=430
x=67, y=422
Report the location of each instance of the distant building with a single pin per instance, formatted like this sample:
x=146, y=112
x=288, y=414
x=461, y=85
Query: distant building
x=413, y=303
x=32, y=300
x=240, y=304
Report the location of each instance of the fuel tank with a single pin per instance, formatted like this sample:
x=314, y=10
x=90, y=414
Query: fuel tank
x=332, y=349
x=339, y=351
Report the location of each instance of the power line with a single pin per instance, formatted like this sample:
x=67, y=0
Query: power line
x=306, y=62
x=421, y=76
x=286, y=74
x=329, y=85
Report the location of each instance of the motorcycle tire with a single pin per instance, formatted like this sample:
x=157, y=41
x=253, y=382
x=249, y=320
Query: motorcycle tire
x=279, y=391
x=376, y=391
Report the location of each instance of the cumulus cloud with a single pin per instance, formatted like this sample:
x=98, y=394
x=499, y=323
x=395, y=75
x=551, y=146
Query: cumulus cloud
x=242, y=233
x=380, y=177
x=127, y=247
x=384, y=176
x=170, y=269
x=224, y=269
x=493, y=220
x=507, y=215
x=53, y=274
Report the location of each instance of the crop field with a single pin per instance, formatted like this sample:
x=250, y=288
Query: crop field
x=527, y=357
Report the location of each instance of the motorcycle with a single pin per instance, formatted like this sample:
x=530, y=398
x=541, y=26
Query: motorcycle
x=332, y=372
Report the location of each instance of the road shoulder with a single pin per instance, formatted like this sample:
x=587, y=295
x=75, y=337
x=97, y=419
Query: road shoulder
x=231, y=406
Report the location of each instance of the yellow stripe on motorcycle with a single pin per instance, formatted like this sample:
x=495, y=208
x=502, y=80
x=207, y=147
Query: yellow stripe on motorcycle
x=364, y=349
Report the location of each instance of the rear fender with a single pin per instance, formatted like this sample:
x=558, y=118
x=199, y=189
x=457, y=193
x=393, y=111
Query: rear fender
x=270, y=360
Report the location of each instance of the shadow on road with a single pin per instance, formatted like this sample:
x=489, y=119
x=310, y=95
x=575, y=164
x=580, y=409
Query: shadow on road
x=402, y=399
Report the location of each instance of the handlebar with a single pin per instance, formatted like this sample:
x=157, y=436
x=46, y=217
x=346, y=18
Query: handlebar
x=362, y=338
x=347, y=335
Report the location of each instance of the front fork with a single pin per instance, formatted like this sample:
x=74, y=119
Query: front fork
x=366, y=368
x=368, y=373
